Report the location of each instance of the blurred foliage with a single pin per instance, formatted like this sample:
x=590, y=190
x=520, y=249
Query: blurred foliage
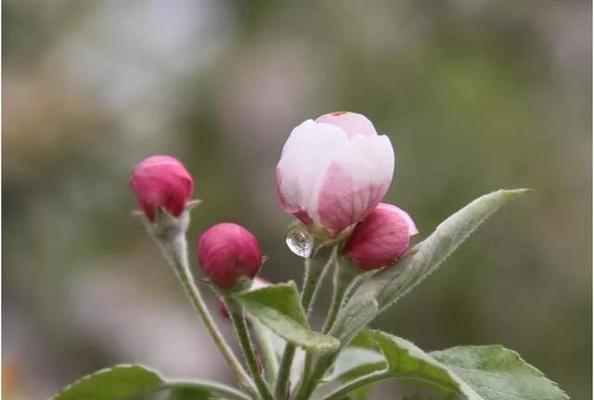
x=475, y=95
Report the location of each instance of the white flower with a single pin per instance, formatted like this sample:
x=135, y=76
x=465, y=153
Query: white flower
x=334, y=171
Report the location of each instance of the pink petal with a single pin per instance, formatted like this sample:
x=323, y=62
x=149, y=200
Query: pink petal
x=355, y=182
x=227, y=252
x=382, y=237
x=351, y=123
x=161, y=181
x=343, y=202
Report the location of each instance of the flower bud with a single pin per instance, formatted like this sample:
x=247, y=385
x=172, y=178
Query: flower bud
x=229, y=253
x=334, y=171
x=161, y=181
x=382, y=237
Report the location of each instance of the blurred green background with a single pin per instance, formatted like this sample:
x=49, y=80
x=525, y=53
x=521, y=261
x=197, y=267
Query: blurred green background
x=476, y=95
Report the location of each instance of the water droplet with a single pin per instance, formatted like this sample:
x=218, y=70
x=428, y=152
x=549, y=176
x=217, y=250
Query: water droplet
x=299, y=241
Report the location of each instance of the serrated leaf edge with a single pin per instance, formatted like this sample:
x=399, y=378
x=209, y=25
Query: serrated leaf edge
x=514, y=353
x=464, y=389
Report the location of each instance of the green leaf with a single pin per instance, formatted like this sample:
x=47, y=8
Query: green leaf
x=361, y=393
x=187, y=393
x=427, y=397
x=473, y=372
x=405, y=360
x=359, y=358
x=497, y=373
x=126, y=382
x=121, y=382
x=198, y=390
x=279, y=308
x=364, y=340
x=391, y=283
x=353, y=362
x=355, y=316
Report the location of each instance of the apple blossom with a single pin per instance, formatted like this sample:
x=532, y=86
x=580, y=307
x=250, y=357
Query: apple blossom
x=228, y=253
x=161, y=181
x=383, y=236
x=332, y=176
x=334, y=171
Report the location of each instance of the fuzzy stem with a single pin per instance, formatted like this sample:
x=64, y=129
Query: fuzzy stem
x=241, y=330
x=345, y=276
x=342, y=392
x=281, y=387
x=213, y=387
x=175, y=252
x=315, y=268
x=268, y=353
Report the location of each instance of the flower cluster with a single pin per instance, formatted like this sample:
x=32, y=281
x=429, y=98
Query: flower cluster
x=332, y=175
x=228, y=253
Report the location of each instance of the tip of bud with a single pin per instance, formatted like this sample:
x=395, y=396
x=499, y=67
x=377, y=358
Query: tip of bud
x=382, y=237
x=161, y=182
x=351, y=123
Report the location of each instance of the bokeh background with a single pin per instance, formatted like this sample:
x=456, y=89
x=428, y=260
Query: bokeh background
x=476, y=95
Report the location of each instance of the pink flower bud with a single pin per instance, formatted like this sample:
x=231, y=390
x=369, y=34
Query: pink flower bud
x=382, y=237
x=227, y=253
x=161, y=181
x=334, y=171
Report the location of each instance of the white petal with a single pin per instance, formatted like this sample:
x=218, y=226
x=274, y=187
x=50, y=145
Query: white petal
x=306, y=156
x=351, y=123
x=368, y=159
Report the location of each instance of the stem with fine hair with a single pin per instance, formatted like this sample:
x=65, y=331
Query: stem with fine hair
x=345, y=276
x=245, y=341
x=342, y=391
x=315, y=268
x=281, y=387
x=268, y=352
x=175, y=252
x=213, y=387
